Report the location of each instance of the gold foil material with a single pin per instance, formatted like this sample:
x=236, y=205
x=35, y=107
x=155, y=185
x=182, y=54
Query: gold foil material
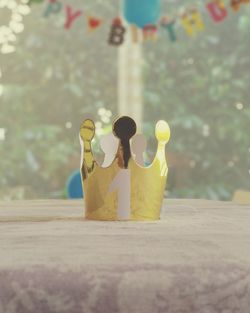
x=87, y=133
x=147, y=183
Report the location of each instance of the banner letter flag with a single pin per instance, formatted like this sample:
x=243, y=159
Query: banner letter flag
x=142, y=12
x=235, y=4
x=116, y=36
x=53, y=7
x=169, y=26
x=217, y=10
x=143, y=17
x=192, y=22
x=71, y=16
x=149, y=32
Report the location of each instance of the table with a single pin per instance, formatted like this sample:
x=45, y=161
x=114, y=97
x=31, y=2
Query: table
x=196, y=259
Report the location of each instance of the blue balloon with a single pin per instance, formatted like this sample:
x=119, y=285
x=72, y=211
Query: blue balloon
x=74, y=186
x=142, y=12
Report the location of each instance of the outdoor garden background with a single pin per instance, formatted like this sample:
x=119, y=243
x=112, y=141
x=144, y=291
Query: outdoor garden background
x=57, y=77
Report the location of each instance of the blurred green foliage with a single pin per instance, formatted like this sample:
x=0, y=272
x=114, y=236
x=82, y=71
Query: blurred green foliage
x=58, y=76
x=202, y=87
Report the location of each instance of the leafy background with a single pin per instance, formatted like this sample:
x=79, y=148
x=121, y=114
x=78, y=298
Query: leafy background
x=56, y=78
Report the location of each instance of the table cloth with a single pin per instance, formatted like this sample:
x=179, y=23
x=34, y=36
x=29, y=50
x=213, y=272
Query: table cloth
x=196, y=259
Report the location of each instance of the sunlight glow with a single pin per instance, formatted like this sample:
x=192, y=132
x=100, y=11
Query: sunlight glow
x=2, y=134
x=15, y=26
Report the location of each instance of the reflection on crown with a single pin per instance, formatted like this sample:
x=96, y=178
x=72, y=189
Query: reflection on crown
x=125, y=189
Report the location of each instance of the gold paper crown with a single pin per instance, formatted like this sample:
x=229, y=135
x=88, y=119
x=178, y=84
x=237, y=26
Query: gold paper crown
x=124, y=190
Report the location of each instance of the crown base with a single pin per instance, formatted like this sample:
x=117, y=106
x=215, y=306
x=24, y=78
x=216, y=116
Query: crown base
x=122, y=220
x=97, y=216
x=146, y=198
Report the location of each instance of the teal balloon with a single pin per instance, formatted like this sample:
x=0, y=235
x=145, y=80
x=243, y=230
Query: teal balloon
x=142, y=12
x=74, y=186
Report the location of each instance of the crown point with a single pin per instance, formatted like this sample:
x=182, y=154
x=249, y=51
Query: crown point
x=124, y=128
x=162, y=131
x=87, y=130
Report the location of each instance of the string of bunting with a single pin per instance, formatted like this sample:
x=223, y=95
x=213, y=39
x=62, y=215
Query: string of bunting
x=144, y=21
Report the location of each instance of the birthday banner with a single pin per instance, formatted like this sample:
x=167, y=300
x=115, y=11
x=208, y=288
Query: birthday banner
x=144, y=21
